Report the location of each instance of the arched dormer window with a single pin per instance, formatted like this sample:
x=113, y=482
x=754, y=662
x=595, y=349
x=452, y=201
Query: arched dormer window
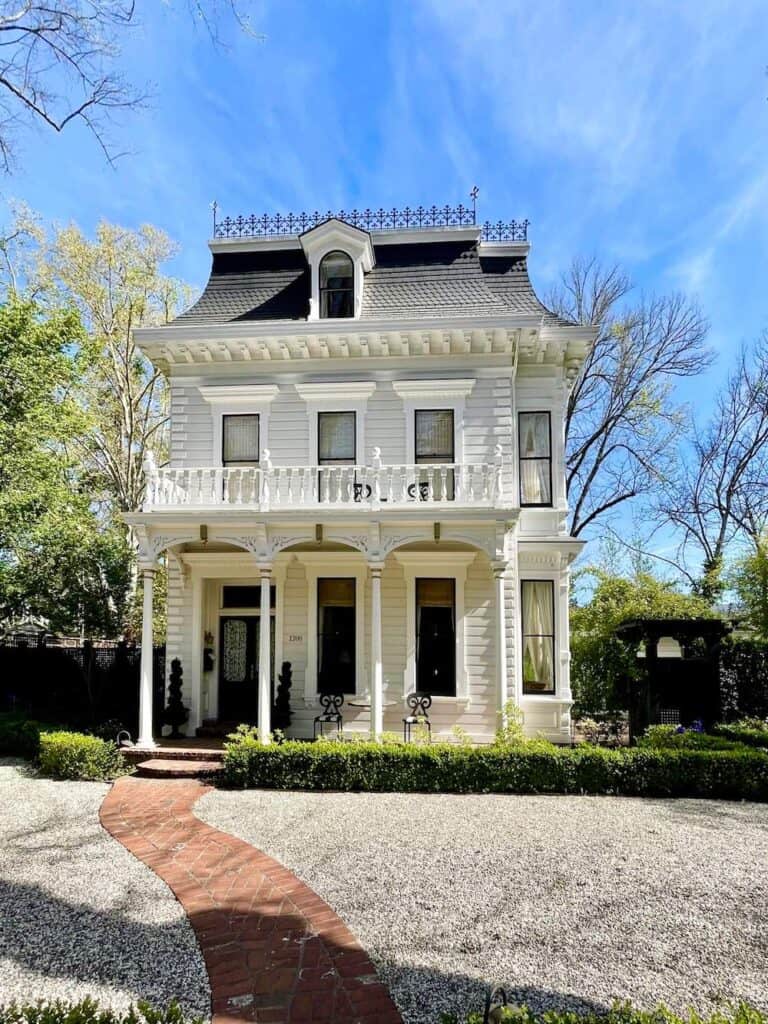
x=337, y=285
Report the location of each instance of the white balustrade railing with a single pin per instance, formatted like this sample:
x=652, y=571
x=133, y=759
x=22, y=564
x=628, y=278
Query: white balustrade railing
x=281, y=487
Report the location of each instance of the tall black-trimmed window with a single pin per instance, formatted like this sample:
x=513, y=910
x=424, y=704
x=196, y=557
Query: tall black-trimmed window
x=538, y=629
x=336, y=634
x=337, y=285
x=336, y=438
x=434, y=445
x=240, y=440
x=535, y=443
x=436, y=637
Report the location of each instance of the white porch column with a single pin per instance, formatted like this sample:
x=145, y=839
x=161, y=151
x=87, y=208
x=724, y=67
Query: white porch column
x=265, y=668
x=502, y=685
x=377, y=676
x=146, y=738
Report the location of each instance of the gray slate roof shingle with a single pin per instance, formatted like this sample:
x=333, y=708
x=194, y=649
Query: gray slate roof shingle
x=409, y=281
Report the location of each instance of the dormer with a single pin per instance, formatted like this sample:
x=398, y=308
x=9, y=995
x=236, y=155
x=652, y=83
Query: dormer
x=339, y=255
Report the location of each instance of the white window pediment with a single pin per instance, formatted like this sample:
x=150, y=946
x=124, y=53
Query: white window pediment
x=337, y=236
x=233, y=399
x=449, y=393
x=337, y=396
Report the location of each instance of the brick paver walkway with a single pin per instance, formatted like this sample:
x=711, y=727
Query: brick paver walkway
x=274, y=951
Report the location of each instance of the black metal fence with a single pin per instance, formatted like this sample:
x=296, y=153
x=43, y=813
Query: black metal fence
x=76, y=684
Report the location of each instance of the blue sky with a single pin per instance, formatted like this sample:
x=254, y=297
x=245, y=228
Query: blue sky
x=637, y=132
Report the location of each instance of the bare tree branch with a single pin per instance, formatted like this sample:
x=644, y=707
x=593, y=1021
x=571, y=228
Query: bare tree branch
x=620, y=418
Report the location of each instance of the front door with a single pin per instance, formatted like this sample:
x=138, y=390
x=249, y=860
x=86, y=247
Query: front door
x=239, y=668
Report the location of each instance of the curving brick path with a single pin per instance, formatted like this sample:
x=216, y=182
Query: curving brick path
x=274, y=951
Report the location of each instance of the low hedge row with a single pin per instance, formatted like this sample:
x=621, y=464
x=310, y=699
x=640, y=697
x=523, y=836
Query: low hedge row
x=19, y=736
x=666, y=737
x=744, y=734
x=88, y=1011
x=449, y=768
x=623, y=1013
x=73, y=755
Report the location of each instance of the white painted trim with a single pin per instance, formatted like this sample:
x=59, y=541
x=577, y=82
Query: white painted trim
x=239, y=399
x=440, y=565
x=338, y=565
x=433, y=394
x=331, y=236
x=270, y=243
x=337, y=396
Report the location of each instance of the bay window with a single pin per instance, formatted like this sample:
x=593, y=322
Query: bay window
x=535, y=442
x=538, y=634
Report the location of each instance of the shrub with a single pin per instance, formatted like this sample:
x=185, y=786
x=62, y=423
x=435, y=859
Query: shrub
x=88, y=1012
x=19, y=736
x=753, y=732
x=620, y=1013
x=737, y=774
x=73, y=755
x=669, y=737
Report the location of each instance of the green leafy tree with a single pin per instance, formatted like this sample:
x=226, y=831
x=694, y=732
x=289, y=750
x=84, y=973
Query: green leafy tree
x=749, y=580
x=56, y=559
x=599, y=660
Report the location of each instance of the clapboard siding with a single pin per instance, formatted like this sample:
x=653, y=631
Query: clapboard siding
x=487, y=422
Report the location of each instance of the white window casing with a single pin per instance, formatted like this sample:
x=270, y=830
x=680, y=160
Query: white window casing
x=444, y=565
x=337, y=396
x=234, y=399
x=559, y=580
x=434, y=394
x=339, y=565
x=328, y=237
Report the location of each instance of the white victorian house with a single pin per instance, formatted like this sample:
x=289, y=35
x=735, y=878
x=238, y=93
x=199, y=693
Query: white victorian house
x=366, y=477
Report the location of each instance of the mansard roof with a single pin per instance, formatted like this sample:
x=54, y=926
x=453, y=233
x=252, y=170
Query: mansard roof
x=433, y=274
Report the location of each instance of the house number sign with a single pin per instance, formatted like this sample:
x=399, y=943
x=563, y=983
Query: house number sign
x=295, y=638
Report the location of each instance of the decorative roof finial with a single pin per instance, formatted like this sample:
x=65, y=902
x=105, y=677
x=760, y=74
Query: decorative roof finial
x=214, y=207
x=473, y=196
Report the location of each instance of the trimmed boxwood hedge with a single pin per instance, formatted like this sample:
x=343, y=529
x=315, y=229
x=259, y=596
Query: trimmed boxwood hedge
x=538, y=768
x=743, y=734
x=19, y=736
x=73, y=755
x=621, y=1013
x=88, y=1011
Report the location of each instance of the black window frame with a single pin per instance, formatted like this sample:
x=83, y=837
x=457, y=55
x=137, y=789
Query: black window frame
x=534, y=458
x=325, y=291
x=321, y=688
x=226, y=463
x=453, y=691
x=552, y=636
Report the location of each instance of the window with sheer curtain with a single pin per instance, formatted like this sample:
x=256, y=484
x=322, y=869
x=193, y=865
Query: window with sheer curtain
x=336, y=438
x=538, y=612
x=240, y=440
x=535, y=458
x=433, y=445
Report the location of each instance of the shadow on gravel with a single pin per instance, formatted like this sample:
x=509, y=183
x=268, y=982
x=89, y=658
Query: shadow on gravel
x=53, y=938
x=714, y=814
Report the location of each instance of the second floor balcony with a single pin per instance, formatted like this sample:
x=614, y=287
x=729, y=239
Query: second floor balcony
x=267, y=487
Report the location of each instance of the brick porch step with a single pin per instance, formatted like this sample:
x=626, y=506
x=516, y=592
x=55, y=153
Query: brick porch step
x=165, y=768
x=200, y=753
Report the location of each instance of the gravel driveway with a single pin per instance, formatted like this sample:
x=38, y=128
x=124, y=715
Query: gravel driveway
x=78, y=914
x=570, y=901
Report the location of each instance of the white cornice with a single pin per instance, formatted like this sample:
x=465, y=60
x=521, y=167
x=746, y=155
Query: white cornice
x=449, y=388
